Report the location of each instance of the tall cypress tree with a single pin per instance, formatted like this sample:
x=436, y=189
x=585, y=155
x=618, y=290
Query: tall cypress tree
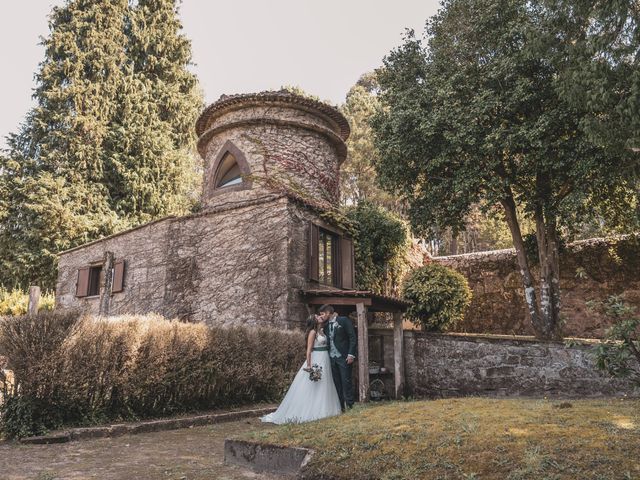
x=107, y=145
x=54, y=191
x=151, y=161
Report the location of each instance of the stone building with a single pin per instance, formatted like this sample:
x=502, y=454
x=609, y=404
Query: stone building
x=265, y=231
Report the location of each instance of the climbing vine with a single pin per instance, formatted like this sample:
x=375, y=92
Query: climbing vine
x=382, y=242
x=276, y=174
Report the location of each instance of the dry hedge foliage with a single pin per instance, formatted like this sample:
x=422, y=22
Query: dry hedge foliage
x=73, y=369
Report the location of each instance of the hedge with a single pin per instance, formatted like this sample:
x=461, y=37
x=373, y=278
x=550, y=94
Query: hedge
x=72, y=369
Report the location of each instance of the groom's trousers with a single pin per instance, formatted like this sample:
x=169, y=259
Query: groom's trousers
x=342, y=379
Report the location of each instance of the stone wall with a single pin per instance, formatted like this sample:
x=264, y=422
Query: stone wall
x=144, y=250
x=455, y=365
x=447, y=365
x=590, y=270
x=241, y=264
x=228, y=266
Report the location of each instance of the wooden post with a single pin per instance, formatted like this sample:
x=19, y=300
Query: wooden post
x=34, y=300
x=398, y=354
x=363, y=353
x=105, y=294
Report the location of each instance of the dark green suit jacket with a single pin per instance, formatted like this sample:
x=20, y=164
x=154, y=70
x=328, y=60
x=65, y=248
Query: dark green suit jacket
x=345, y=339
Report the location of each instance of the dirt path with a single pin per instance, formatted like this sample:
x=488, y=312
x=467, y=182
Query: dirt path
x=186, y=454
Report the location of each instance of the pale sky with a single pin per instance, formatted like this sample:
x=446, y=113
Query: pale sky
x=238, y=46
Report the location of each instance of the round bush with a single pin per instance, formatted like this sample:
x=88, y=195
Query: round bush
x=439, y=294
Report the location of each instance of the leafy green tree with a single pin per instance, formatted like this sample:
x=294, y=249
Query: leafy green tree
x=601, y=75
x=53, y=171
x=108, y=144
x=358, y=178
x=477, y=115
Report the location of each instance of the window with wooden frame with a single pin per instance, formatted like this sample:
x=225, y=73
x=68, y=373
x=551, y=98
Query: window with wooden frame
x=327, y=258
x=89, y=281
x=89, y=278
x=330, y=258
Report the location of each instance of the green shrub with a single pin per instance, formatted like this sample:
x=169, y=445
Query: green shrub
x=439, y=294
x=16, y=302
x=619, y=354
x=23, y=416
x=71, y=369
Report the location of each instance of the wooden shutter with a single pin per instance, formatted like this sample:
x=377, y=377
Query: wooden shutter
x=346, y=263
x=118, y=276
x=314, y=238
x=82, y=284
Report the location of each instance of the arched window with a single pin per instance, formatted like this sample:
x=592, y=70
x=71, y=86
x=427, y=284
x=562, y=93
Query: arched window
x=228, y=172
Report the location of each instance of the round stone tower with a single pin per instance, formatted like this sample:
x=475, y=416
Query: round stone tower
x=260, y=143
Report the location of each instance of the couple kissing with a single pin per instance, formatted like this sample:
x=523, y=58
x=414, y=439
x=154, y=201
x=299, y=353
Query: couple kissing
x=323, y=386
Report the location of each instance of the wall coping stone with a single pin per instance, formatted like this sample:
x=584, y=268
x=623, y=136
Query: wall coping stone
x=282, y=97
x=472, y=337
x=114, y=430
x=490, y=337
x=511, y=252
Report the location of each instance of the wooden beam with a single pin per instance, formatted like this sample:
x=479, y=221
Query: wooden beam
x=398, y=355
x=338, y=301
x=105, y=291
x=34, y=301
x=363, y=353
x=377, y=306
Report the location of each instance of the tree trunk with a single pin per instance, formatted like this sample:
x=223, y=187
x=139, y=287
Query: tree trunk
x=509, y=206
x=454, y=243
x=547, y=240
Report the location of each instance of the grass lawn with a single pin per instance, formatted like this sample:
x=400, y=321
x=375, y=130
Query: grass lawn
x=472, y=438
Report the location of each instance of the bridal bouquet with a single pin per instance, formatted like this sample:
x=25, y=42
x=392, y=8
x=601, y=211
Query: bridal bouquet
x=315, y=372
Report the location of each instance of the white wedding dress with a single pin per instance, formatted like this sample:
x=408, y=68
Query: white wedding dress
x=307, y=400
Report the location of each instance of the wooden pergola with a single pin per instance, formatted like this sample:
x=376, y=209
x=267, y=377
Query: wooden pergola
x=365, y=301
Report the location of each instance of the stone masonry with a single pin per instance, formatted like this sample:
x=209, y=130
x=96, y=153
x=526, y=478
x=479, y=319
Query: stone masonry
x=457, y=365
x=590, y=270
x=452, y=365
x=288, y=142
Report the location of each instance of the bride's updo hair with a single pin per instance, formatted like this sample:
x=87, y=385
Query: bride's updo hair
x=312, y=324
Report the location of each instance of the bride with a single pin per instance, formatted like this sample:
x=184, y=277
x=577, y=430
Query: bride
x=307, y=400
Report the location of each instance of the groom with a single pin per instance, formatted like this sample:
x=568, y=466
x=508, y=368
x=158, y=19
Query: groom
x=342, y=351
